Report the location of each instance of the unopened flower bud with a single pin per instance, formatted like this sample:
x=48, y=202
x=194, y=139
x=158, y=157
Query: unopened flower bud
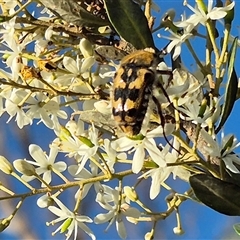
x=130, y=193
x=86, y=48
x=178, y=231
x=105, y=30
x=5, y=165
x=24, y=167
x=148, y=236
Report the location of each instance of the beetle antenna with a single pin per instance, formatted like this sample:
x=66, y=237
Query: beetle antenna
x=162, y=119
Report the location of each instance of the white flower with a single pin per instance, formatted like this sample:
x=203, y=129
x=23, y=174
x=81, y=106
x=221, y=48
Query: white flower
x=160, y=174
x=72, y=221
x=179, y=87
x=40, y=46
x=47, y=111
x=140, y=146
x=81, y=147
x=71, y=103
x=68, y=144
x=14, y=60
x=7, y=31
x=85, y=174
x=44, y=163
x=11, y=5
x=105, y=75
x=109, y=200
x=215, y=13
x=223, y=150
x=184, y=87
x=176, y=41
x=74, y=70
x=89, y=148
x=13, y=109
x=111, y=155
x=192, y=109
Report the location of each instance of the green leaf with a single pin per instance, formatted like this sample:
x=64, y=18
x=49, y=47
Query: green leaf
x=219, y=195
x=231, y=87
x=130, y=22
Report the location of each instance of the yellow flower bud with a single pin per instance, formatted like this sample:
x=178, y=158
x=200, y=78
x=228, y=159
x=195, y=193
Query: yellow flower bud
x=24, y=167
x=5, y=165
x=130, y=193
x=86, y=48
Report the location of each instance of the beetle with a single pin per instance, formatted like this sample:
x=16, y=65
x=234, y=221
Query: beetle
x=133, y=88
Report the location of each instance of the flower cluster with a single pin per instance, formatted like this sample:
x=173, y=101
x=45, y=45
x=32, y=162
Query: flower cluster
x=61, y=80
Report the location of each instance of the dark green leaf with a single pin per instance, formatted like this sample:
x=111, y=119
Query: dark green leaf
x=221, y=196
x=130, y=22
x=231, y=87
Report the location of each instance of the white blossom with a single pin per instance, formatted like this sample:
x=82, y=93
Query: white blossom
x=140, y=146
x=74, y=70
x=45, y=164
x=200, y=16
x=11, y=6
x=71, y=220
x=85, y=174
x=111, y=155
x=223, y=149
x=13, y=109
x=109, y=200
x=48, y=111
x=160, y=174
x=86, y=151
x=176, y=42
